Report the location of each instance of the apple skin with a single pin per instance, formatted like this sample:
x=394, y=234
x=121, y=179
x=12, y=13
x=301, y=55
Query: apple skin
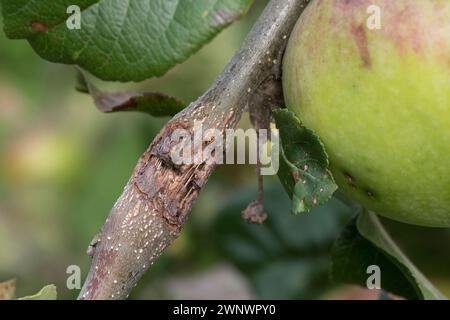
x=380, y=101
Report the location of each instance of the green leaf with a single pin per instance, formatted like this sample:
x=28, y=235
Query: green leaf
x=22, y=18
x=7, y=290
x=46, y=293
x=288, y=256
x=365, y=242
x=303, y=164
x=120, y=40
x=152, y=103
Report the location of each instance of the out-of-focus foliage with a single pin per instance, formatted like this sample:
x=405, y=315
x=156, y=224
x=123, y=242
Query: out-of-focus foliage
x=365, y=243
x=289, y=256
x=63, y=164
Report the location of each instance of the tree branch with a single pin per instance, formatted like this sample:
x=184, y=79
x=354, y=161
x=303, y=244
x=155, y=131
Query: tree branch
x=153, y=208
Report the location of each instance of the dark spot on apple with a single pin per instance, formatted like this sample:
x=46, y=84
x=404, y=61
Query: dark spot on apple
x=349, y=178
x=370, y=194
x=39, y=26
x=359, y=33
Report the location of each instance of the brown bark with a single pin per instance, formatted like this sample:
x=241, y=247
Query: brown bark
x=156, y=202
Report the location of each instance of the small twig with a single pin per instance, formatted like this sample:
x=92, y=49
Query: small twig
x=268, y=97
x=152, y=210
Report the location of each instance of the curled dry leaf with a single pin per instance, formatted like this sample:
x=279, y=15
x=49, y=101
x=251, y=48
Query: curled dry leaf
x=153, y=103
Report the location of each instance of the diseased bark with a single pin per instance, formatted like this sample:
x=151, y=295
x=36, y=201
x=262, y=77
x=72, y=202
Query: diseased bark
x=155, y=203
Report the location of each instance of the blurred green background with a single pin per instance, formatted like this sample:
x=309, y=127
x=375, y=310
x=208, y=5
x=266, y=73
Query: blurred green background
x=63, y=164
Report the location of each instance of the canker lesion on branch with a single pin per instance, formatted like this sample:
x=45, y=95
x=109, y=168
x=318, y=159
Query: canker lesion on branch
x=156, y=201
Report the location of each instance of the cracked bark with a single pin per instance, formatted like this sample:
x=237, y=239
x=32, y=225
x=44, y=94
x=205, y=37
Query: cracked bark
x=157, y=199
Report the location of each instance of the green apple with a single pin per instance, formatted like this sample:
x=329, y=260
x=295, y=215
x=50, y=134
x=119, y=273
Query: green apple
x=372, y=78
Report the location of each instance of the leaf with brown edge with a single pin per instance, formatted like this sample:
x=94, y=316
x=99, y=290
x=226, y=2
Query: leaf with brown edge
x=8, y=289
x=152, y=103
